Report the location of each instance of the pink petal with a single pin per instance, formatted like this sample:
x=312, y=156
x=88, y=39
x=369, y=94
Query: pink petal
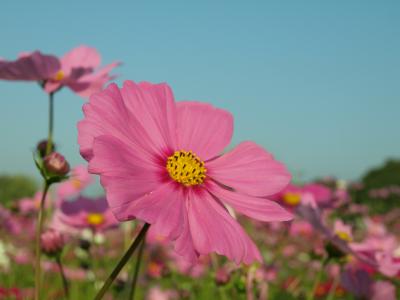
x=34, y=66
x=249, y=169
x=124, y=173
x=213, y=229
x=163, y=208
x=80, y=57
x=106, y=113
x=258, y=208
x=93, y=82
x=154, y=108
x=203, y=129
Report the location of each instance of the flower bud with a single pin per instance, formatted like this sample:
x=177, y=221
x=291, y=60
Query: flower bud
x=56, y=163
x=222, y=276
x=42, y=148
x=52, y=242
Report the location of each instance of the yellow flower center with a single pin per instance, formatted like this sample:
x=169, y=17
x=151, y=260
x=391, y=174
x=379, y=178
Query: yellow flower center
x=186, y=168
x=76, y=183
x=59, y=76
x=292, y=198
x=343, y=236
x=95, y=219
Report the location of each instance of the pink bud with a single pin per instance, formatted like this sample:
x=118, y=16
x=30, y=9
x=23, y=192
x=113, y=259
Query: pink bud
x=222, y=276
x=56, y=163
x=52, y=242
x=42, y=147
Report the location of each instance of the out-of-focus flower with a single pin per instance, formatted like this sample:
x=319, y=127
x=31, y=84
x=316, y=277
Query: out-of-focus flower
x=383, y=290
x=156, y=293
x=161, y=162
x=28, y=206
x=4, y=257
x=80, y=72
x=72, y=216
x=52, y=242
x=56, y=164
x=301, y=228
x=78, y=180
x=33, y=66
x=343, y=231
x=357, y=281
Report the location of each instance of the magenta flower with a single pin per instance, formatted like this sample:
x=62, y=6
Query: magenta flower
x=160, y=161
x=71, y=216
x=79, y=71
x=33, y=66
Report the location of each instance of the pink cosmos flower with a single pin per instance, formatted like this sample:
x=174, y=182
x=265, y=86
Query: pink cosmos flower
x=28, y=206
x=75, y=215
x=33, y=66
x=81, y=73
x=79, y=180
x=160, y=161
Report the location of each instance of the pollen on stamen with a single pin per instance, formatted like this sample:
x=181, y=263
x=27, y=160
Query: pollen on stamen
x=186, y=168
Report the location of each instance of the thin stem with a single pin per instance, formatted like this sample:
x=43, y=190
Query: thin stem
x=136, y=270
x=334, y=286
x=49, y=145
x=38, y=249
x=64, y=279
x=122, y=262
x=317, y=280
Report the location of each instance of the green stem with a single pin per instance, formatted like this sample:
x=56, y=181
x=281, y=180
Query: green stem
x=136, y=270
x=38, y=249
x=62, y=274
x=51, y=124
x=317, y=280
x=122, y=262
x=332, y=291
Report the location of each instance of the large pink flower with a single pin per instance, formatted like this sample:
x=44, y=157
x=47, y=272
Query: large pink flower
x=79, y=71
x=160, y=161
x=33, y=66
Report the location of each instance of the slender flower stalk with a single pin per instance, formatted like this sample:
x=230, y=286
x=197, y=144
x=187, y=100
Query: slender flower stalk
x=51, y=124
x=132, y=289
x=317, y=280
x=39, y=230
x=122, y=262
x=62, y=274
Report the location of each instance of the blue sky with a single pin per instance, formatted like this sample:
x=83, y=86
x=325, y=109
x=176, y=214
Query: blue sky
x=316, y=83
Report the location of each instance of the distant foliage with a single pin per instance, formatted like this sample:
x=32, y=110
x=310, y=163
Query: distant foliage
x=13, y=187
x=380, y=188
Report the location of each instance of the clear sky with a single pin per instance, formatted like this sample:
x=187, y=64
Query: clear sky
x=316, y=83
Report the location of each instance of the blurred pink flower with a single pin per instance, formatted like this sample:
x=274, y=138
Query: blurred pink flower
x=383, y=290
x=156, y=293
x=161, y=162
x=71, y=216
x=28, y=206
x=343, y=231
x=79, y=71
x=79, y=180
x=52, y=241
x=301, y=228
x=33, y=66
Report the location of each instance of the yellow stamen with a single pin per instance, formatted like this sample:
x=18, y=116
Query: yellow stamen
x=76, y=183
x=59, y=76
x=95, y=219
x=292, y=198
x=344, y=236
x=186, y=168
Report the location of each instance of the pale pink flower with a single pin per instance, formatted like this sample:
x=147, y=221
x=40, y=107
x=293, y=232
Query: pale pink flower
x=71, y=216
x=33, y=66
x=28, y=206
x=343, y=231
x=160, y=161
x=79, y=180
x=383, y=290
x=80, y=72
